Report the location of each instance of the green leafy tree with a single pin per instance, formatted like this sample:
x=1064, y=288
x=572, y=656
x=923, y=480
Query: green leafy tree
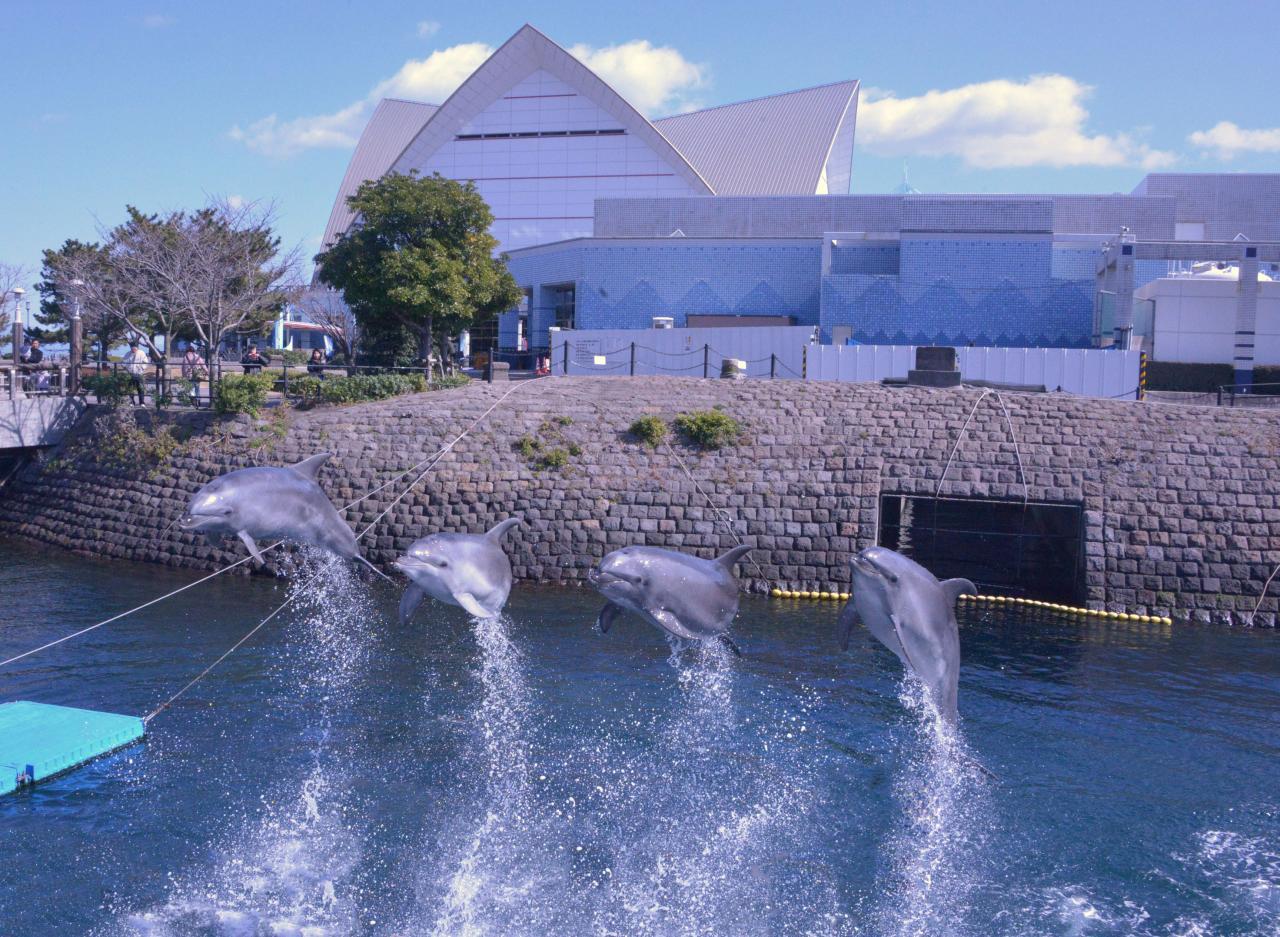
x=59, y=296
x=419, y=260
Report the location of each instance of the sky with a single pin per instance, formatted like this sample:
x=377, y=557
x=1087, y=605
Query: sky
x=165, y=105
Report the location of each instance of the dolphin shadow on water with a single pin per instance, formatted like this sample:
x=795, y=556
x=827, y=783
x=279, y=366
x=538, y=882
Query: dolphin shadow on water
x=272, y=503
x=690, y=599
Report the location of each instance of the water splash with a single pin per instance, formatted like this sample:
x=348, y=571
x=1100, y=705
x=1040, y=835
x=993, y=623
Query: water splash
x=936, y=854
x=499, y=871
x=708, y=830
x=293, y=867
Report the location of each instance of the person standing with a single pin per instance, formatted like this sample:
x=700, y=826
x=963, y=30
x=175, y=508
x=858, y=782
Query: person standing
x=315, y=367
x=135, y=364
x=194, y=370
x=253, y=362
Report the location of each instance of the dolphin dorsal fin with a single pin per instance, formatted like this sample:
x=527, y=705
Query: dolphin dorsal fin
x=496, y=532
x=310, y=468
x=954, y=588
x=730, y=559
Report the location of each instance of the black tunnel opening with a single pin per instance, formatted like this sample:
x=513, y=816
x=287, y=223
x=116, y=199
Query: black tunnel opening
x=1033, y=550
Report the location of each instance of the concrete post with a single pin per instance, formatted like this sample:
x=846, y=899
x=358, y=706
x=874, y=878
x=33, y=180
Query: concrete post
x=17, y=342
x=77, y=352
x=1246, y=317
x=1124, y=294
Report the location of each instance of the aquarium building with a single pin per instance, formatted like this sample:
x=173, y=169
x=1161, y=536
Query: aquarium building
x=740, y=215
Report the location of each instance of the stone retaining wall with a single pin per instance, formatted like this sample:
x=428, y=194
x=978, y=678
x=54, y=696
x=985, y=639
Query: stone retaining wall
x=1181, y=514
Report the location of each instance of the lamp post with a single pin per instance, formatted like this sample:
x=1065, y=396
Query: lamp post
x=17, y=293
x=77, y=336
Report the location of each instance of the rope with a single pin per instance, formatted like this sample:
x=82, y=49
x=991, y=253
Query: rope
x=956, y=444
x=231, y=650
x=723, y=515
x=440, y=454
x=1265, y=586
x=1017, y=451
x=432, y=459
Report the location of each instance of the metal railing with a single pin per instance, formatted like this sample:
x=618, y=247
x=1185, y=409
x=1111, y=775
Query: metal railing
x=704, y=361
x=1259, y=396
x=35, y=380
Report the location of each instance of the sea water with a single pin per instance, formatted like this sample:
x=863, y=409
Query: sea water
x=341, y=774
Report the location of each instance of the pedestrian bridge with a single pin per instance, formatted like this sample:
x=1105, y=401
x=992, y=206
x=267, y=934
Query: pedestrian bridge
x=35, y=413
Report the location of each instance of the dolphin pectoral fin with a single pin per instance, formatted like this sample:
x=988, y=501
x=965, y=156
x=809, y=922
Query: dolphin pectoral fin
x=730, y=644
x=730, y=559
x=671, y=625
x=472, y=607
x=251, y=546
x=375, y=569
x=844, y=626
x=497, y=531
x=608, y=615
x=310, y=468
x=409, y=602
x=954, y=588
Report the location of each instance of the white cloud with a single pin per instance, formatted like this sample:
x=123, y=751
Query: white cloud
x=430, y=80
x=427, y=29
x=1000, y=124
x=1227, y=140
x=652, y=78
x=434, y=78
x=235, y=201
x=158, y=20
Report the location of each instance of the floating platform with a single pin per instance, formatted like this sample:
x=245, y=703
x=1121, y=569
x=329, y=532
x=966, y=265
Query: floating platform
x=38, y=740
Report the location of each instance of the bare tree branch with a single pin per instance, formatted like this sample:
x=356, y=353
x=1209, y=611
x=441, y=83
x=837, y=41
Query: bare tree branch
x=326, y=308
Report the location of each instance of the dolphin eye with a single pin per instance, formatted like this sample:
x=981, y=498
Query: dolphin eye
x=444, y=563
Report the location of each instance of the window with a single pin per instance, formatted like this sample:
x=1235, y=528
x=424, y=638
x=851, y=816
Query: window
x=563, y=302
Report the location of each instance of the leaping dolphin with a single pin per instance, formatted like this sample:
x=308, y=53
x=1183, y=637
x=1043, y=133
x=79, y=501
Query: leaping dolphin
x=689, y=598
x=271, y=503
x=912, y=614
x=467, y=570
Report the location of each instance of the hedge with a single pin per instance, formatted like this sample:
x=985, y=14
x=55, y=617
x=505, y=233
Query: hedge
x=313, y=390
x=1204, y=378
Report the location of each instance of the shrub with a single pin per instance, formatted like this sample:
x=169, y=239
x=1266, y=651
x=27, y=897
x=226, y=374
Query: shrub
x=360, y=387
x=450, y=382
x=1185, y=376
x=709, y=429
x=242, y=393
x=527, y=446
x=554, y=459
x=110, y=388
x=649, y=429
x=290, y=356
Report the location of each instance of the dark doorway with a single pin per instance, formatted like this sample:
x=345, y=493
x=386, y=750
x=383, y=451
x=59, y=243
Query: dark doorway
x=1006, y=547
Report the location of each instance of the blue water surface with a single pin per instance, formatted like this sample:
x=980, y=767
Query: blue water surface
x=341, y=774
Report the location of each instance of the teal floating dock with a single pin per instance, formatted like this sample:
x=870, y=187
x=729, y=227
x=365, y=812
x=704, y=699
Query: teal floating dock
x=38, y=740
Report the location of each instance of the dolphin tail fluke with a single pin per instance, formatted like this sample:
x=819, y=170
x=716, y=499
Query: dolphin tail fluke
x=607, y=616
x=375, y=569
x=975, y=763
x=954, y=588
x=410, y=600
x=730, y=559
x=730, y=644
x=844, y=626
x=251, y=546
x=310, y=468
x=497, y=531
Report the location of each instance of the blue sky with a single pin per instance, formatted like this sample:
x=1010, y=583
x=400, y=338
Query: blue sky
x=165, y=104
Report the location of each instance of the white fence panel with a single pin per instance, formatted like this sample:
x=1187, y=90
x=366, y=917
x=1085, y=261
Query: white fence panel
x=681, y=352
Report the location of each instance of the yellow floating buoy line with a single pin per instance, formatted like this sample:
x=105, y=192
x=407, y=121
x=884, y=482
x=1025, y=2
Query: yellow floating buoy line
x=834, y=595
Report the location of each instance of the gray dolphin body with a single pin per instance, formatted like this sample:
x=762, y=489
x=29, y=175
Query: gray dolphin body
x=687, y=597
x=271, y=503
x=912, y=614
x=468, y=570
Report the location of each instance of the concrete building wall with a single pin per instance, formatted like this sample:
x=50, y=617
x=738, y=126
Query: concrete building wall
x=1194, y=320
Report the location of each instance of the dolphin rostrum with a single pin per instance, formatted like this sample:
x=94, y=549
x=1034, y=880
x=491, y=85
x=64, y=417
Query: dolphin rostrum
x=912, y=614
x=271, y=503
x=467, y=570
x=687, y=597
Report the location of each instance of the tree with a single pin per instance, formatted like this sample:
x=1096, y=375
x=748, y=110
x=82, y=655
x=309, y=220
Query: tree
x=419, y=257
x=325, y=308
x=61, y=295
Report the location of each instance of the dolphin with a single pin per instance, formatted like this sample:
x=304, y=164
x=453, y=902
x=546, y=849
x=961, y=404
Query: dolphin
x=467, y=570
x=912, y=614
x=271, y=503
x=689, y=598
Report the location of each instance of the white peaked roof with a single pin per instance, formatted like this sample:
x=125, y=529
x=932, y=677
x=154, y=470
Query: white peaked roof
x=521, y=55
x=797, y=143
x=393, y=124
